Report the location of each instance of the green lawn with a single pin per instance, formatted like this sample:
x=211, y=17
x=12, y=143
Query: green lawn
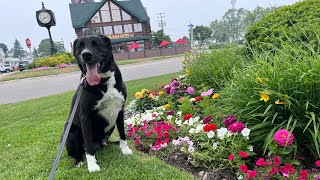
x=31, y=74
x=30, y=136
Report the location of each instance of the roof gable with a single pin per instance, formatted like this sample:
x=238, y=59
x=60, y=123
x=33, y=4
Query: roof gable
x=81, y=13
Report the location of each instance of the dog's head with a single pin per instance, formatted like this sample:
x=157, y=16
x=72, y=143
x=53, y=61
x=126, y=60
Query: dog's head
x=94, y=56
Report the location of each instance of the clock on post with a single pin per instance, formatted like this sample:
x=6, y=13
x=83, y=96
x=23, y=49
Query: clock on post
x=45, y=18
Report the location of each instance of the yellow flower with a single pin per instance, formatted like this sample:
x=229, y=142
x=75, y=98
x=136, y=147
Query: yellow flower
x=264, y=96
x=166, y=106
x=215, y=96
x=161, y=93
x=144, y=91
x=151, y=96
x=259, y=80
x=186, y=54
x=138, y=95
x=278, y=102
x=187, y=71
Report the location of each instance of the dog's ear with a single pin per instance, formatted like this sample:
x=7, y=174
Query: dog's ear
x=74, y=47
x=107, y=41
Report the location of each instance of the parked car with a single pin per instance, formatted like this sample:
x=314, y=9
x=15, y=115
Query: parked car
x=5, y=68
x=23, y=65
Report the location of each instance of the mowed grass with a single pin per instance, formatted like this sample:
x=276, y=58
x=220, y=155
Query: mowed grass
x=30, y=137
x=31, y=74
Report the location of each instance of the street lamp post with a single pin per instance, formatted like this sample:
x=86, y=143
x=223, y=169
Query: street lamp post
x=46, y=18
x=191, y=34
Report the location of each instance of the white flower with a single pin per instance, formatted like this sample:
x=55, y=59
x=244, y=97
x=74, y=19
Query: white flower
x=222, y=132
x=178, y=123
x=166, y=86
x=179, y=113
x=192, y=130
x=190, y=121
x=250, y=148
x=229, y=134
x=191, y=149
x=169, y=117
x=186, y=122
x=215, y=145
x=196, y=119
x=192, y=99
x=210, y=134
x=245, y=132
x=240, y=177
x=176, y=142
x=199, y=128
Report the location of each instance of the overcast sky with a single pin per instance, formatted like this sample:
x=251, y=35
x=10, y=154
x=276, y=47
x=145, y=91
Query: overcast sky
x=18, y=21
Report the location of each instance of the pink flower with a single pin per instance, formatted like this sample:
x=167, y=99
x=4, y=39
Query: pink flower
x=260, y=162
x=190, y=90
x=303, y=174
x=230, y=157
x=230, y=120
x=236, y=127
x=286, y=170
x=243, y=154
x=170, y=112
x=273, y=170
x=208, y=93
x=206, y=119
x=251, y=174
x=318, y=163
x=283, y=137
x=243, y=168
x=277, y=161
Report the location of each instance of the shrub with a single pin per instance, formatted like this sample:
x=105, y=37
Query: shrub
x=296, y=24
x=214, y=69
x=52, y=61
x=279, y=91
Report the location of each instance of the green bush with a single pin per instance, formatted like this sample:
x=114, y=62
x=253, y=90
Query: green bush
x=278, y=91
x=214, y=69
x=297, y=24
x=52, y=61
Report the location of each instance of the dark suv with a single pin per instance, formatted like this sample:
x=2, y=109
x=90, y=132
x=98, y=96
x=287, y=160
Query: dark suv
x=23, y=65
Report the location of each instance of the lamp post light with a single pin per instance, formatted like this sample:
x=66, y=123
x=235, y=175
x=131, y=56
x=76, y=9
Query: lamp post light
x=46, y=18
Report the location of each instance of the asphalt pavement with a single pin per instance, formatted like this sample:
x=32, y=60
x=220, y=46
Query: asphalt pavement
x=24, y=89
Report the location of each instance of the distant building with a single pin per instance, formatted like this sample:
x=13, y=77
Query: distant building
x=2, y=56
x=124, y=22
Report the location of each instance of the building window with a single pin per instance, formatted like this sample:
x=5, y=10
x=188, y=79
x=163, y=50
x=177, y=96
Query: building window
x=108, y=30
x=115, y=12
x=127, y=28
x=137, y=27
x=125, y=16
x=96, y=18
x=105, y=13
x=118, y=29
x=92, y=31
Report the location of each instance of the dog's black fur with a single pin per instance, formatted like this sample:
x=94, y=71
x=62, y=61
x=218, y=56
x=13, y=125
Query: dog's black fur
x=88, y=126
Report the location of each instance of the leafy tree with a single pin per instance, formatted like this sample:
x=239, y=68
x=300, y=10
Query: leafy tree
x=202, y=33
x=234, y=23
x=158, y=37
x=255, y=15
x=4, y=47
x=18, y=51
x=35, y=52
x=44, y=47
x=220, y=33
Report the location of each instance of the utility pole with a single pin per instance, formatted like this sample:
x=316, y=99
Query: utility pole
x=161, y=21
x=233, y=3
x=191, y=34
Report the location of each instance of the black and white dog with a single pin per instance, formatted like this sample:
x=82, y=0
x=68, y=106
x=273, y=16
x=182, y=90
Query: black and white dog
x=101, y=103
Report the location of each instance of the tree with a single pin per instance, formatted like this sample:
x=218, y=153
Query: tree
x=4, y=47
x=35, y=52
x=202, y=33
x=234, y=21
x=158, y=37
x=44, y=47
x=256, y=14
x=18, y=51
x=219, y=29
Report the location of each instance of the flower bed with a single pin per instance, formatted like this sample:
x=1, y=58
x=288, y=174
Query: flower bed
x=59, y=66
x=180, y=120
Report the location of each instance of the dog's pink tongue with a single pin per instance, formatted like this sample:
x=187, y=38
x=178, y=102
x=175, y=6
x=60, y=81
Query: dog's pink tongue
x=93, y=78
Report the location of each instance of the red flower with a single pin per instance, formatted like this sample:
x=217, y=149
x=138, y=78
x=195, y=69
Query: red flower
x=277, y=161
x=252, y=174
x=243, y=154
x=187, y=116
x=209, y=127
x=260, y=162
x=230, y=157
x=273, y=170
x=303, y=174
x=318, y=163
x=243, y=168
x=198, y=98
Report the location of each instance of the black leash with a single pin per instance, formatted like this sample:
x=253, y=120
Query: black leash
x=65, y=135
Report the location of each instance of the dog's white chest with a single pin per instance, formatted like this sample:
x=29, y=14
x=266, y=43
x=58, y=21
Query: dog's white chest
x=110, y=104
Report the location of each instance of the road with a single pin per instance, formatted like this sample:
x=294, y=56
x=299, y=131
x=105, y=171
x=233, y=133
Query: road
x=24, y=89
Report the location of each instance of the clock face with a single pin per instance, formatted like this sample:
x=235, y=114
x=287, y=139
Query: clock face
x=44, y=17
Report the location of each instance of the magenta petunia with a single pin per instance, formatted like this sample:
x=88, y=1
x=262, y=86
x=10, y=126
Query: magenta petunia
x=283, y=137
x=207, y=119
x=229, y=120
x=236, y=127
x=190, y=90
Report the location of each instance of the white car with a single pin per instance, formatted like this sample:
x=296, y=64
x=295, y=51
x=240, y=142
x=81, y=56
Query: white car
x=5, y=68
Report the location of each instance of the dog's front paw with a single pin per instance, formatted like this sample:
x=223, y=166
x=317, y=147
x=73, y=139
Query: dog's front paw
x=125, y=150
x=92, y=163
